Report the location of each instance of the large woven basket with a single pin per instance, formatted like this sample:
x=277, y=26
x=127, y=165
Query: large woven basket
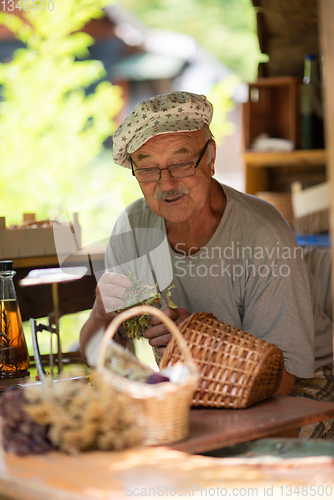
x=162, y=410
x=314, y=223
x=237, y=369
x=281, y=201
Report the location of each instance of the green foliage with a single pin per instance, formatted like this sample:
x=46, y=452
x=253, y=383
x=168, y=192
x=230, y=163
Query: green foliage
x=226, y=28
x=220, y=96
x=50, y=128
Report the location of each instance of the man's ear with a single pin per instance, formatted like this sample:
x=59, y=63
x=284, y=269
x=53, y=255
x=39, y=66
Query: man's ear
x=212, y=153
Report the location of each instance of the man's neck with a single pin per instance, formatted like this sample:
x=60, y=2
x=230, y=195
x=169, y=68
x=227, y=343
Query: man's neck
x=192, y=235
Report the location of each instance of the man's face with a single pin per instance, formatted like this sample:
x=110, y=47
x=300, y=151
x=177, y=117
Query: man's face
x=176, y=200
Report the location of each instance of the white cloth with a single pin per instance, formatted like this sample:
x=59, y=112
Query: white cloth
x=250, y=275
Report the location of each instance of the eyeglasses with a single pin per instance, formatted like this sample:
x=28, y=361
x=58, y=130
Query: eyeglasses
x=178, y=171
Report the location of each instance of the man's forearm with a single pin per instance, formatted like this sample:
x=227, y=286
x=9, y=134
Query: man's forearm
x=287, y=383
x=92, y=325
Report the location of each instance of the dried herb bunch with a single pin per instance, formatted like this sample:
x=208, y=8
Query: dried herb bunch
x=139, y=294
x=20, y=433
x=5, y=341
x=72, y=416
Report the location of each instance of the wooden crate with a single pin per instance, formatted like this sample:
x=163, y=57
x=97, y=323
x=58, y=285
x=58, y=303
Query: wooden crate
x=36, y=240
x=272, y=108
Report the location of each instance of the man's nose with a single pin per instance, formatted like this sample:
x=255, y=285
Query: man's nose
x=166, y=177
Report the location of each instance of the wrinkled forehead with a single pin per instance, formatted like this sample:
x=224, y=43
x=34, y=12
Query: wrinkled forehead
x=178, y=142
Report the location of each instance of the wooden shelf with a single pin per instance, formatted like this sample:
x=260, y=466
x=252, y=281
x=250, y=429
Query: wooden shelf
x=258, y=165
x=297, y=158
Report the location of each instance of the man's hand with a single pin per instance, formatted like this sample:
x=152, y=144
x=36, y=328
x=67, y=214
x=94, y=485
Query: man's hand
x=158, y=334
x=108, y=294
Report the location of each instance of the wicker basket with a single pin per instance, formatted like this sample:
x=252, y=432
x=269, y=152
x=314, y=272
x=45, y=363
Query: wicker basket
x=162, y=410
x=282, y=201
x=314, y=223
x=237, y=369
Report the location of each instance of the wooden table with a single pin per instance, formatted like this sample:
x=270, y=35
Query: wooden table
x=155, y=472
x=160, y=472
x=211, y=429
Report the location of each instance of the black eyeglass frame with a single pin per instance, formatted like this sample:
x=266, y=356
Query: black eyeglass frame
x=202, y=153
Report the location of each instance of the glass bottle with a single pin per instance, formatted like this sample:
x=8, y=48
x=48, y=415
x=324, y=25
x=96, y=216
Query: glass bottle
x=311, y=116
x=14, y=358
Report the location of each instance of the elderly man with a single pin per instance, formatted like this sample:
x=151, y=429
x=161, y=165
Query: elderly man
x=231, y=254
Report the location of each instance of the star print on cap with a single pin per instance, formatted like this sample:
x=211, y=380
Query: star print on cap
x=163, y=114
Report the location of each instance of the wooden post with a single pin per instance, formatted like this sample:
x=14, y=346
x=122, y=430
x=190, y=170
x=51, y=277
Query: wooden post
x=326, y=24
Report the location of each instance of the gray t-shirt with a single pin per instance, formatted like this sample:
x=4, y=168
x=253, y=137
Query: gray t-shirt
x=250, y=275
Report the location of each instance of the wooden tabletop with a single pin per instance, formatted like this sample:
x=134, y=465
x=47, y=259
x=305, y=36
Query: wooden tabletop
x=156, y=472
x=211, y=429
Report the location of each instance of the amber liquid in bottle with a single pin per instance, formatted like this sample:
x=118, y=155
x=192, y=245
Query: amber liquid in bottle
x=14, y=358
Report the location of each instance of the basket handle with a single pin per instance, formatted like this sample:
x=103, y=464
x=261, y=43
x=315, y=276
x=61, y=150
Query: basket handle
x=137, y=311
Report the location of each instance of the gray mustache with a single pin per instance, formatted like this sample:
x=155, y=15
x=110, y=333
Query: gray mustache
x=173, y=193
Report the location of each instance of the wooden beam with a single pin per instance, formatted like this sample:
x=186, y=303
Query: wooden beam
x=326, y=18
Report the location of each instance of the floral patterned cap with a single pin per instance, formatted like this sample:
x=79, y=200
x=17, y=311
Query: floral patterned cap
x=163, y=114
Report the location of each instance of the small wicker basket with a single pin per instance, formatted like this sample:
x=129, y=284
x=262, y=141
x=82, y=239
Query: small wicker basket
x=237, y=369
x=162, y=410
